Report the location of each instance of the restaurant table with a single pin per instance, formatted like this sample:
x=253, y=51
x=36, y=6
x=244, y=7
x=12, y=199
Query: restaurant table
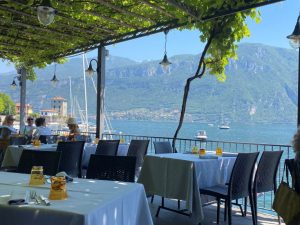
x=89, y=202
x=179, y=176
x=13, y=152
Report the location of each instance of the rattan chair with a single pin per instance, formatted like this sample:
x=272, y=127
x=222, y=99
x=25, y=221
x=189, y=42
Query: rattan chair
x=138, y=148
x=239, y=186
x=48, y=159
x=162, y=147
x=119, y=168
x=265, y=177
x=107, y=147
x=71, y=155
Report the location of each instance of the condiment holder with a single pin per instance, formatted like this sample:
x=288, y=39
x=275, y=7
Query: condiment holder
x=37, y=176
x=58, y=189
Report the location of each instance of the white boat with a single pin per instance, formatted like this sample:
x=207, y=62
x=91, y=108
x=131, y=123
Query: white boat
x=201, y=134
x=224, y=126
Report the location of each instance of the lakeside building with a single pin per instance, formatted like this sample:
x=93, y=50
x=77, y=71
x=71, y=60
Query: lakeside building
x=60, y=105
x=28, y=109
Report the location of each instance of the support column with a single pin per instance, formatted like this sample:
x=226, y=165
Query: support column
x=22, y=98
x=298, y=105
x=100, y=91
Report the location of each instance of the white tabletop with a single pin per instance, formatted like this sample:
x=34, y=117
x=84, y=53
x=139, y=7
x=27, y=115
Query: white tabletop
x=90, y=202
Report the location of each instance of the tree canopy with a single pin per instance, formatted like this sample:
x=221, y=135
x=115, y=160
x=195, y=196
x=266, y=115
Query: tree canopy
x=7, y=105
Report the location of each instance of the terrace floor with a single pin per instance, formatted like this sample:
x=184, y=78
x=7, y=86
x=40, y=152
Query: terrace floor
x=210, y=212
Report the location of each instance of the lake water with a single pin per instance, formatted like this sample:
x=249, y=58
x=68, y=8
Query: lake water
x=239, y=132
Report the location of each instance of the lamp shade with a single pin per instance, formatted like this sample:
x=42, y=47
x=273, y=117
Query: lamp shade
x=46, y=13
x=90, y=71
x=165, y=63
x=13, y=85
x=54, y=80
x=294, y=38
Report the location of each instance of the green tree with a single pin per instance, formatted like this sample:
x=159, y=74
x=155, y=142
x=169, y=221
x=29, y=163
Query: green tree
x=221, y=36
x=7, y=105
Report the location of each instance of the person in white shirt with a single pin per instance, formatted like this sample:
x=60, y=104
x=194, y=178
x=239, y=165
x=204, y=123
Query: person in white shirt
x=8, y=123
x=41, y=128
x=29, y=128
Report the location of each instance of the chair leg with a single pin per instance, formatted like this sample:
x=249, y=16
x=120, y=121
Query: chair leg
x=254, y=207
x=253, y=212
x=225, y=210
x=152, y=198
x=178, y=204
x=245, y=206
x=229, y=210
x=218, y=209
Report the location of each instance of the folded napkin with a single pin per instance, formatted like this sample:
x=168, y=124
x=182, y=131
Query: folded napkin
x=64, y=174
x=18, y=198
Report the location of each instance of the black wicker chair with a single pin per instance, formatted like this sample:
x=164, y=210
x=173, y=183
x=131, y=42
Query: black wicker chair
x=239, y=186
x=138, y=148
x=265, y=177
x=18, y=140
x=162, y=147
x=71, y=155
x=48, y=139
x=107, y=147
x=104, y=167
x=48, y=159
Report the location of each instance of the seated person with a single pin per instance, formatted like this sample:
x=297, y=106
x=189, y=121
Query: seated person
x=29, y=128
x=73, y=128
x=8, y=123
x=41, y=128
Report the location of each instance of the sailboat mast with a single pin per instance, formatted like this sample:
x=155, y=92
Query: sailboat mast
x=71, y=97
x=85, y=95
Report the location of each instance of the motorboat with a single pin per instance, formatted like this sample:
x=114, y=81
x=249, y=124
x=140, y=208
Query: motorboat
x=201, y=135
x=224, y=126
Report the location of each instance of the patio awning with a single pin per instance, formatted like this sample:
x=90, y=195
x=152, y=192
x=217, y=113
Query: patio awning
x=84, y=25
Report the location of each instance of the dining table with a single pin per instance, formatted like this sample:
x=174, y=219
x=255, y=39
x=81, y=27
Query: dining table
x=179, y=176
x=89, y=202
x=13, y=152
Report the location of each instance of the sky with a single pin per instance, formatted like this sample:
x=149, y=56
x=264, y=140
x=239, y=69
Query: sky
x=277, y=21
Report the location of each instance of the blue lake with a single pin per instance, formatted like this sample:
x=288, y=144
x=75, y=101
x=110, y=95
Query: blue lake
x=240, y=132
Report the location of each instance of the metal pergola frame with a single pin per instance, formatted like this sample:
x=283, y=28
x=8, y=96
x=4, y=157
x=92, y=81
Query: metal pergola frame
x=82, y=26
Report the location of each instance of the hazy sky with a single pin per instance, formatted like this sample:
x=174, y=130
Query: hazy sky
x=278, y=21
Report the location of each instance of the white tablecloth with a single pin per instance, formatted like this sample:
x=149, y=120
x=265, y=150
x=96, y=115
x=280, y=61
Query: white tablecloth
x=90, y=202
x=180, y=176
x=13, y=153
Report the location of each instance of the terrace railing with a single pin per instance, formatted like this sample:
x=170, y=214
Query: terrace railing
x=182, y=145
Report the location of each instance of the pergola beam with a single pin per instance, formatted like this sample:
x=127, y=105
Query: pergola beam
x=124, y=11
x=157, y=8
x=188, y=10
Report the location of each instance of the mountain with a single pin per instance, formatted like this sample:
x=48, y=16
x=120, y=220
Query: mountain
x=261, y=86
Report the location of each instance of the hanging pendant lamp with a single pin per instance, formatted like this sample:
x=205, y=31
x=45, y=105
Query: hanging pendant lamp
x=46, y=13
x=165, y=63
x=54, y=80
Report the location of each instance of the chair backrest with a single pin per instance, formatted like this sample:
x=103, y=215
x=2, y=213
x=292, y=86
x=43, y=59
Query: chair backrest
x=162, y=147
x=293, y=167
x=242, y=175
x=48, y=159
x=71, y=155
x=138, y=148
x=107, y=147
x=265, y=177
x=48, y=139
x=15, y=140
x=81, y=137
x=104, y=167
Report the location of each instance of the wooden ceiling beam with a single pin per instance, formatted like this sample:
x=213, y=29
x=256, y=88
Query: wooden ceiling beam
x=81, y=31
x=183, y=7
x=157, y=8
x=123, y=11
